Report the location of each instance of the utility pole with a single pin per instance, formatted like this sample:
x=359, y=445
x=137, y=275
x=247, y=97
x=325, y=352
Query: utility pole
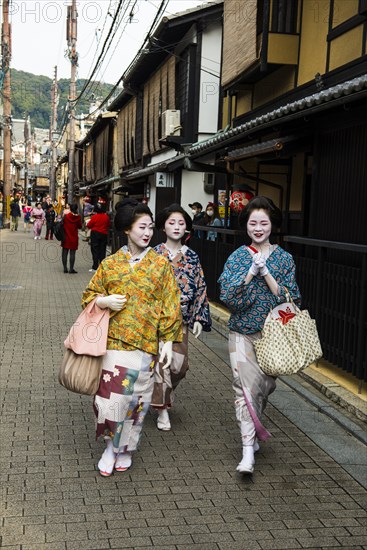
x=6, y=57
x=26, y=142
x=53, y=128
x=73, y=56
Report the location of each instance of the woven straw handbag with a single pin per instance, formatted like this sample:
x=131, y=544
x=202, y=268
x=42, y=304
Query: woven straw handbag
x=288, y=345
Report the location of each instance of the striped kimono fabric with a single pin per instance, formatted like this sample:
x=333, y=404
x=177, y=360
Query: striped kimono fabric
x=251, y=386
x=167, y=380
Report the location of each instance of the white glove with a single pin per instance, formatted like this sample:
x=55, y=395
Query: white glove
x=198, y=327
x=264, y=271
x=115, y=302
x=254, y=269
x=166, y=355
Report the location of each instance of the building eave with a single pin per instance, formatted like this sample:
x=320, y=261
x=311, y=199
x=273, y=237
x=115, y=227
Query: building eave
x=345, y=92
x=101, y=122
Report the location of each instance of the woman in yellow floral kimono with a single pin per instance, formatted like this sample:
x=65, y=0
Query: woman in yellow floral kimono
x=139, y=288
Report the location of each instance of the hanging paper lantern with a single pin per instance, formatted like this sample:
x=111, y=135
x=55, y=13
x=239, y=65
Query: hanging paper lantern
x=238, y=200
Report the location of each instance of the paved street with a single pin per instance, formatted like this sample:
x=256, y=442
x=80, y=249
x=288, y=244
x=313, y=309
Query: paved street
x=309, y=485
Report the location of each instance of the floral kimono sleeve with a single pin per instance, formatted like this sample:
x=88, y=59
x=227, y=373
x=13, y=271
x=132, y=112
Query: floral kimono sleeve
x=201, y=312
x=233, y=291
x=170, y=323
x=286, y=279
x=95, y=287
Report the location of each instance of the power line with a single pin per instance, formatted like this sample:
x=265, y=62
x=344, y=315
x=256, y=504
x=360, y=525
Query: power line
x=160, y=11
x=102, y=31
x=96, y=83
x=101, y=54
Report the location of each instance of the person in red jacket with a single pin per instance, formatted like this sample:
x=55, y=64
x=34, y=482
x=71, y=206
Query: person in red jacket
x=99, y=225
x=72, y=222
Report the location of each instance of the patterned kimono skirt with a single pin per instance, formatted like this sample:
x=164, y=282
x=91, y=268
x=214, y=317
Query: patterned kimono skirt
x=124, y=397
x=37, y=227
x=251, y=386
x=167, y=380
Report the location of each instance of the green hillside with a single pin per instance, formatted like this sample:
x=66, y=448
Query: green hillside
x=31, y=94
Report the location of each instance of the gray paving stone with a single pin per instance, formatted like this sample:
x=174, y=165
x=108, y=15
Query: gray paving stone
x=46, y=546
x=324, y=542
x=279, y=544
x=238, y=545
x=259, y=535
x=88, y=545
x=353, y=541
x=130, y=542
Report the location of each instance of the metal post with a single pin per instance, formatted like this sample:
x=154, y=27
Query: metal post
x=26, y=140
x=72, y=37
x=52, y=138
x=6, y=57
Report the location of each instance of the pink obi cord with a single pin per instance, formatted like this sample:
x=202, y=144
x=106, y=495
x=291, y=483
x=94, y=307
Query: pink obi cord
x=261, y=432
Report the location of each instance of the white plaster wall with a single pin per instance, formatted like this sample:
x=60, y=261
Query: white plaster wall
x=162, y=156
x=153, y=190
x=192, y=190
x=209, y=84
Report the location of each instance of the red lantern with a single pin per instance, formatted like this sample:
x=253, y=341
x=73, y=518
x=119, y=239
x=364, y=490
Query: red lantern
x=238, y=200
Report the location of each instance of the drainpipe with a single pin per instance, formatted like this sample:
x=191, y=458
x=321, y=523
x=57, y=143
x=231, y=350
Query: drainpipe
x=264, y=45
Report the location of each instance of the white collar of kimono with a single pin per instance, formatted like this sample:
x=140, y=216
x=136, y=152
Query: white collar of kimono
x=173, y=254
x=125, y=250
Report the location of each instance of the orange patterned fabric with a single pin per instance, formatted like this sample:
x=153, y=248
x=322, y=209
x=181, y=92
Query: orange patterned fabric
x=152, y=311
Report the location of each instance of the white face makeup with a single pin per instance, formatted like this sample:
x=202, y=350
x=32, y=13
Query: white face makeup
x=141, y=232
x=175, y=226
x=259, y=227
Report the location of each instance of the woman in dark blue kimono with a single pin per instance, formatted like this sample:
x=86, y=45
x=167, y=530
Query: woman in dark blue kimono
x=175, y=222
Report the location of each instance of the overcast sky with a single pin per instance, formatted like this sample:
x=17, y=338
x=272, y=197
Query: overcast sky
x=39, y=34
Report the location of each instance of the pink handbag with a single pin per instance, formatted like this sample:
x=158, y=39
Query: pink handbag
x=88, y=335
x=86, y=343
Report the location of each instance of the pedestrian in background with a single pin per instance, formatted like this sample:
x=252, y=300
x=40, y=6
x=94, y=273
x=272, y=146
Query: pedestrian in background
x=212, y=218
x=174, y=221
x=27, y=212
x=14, y=214
x=46, y=202
x=50, y=215
x=87, y=212
x=39, y=219
x=66, y=210
x=253, y=282
x=139, y=287
x=98, y=225
x=1, y=210
x=199, y=217
x=72, y=223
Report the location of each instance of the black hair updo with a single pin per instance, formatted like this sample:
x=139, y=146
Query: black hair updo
x=261, y=203
x=164, y=214
x=128, y=211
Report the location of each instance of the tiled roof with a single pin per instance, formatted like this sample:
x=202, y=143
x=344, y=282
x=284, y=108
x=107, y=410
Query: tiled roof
x=335, y=92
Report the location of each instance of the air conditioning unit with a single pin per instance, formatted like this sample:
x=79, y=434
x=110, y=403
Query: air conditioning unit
x=209, y=180
x=171, y=123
